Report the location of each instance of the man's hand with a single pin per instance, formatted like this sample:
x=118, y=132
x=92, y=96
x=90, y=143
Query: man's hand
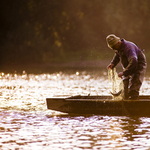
x=120, y=74
x=110, y=66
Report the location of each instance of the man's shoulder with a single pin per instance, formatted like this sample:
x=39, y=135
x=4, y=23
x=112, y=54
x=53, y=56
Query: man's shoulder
x=129, y=45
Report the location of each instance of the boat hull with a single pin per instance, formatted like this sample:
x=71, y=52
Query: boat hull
x=100, y=105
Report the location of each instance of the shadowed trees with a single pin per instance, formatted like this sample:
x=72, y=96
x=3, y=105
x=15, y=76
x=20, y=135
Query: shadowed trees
x=36, y=31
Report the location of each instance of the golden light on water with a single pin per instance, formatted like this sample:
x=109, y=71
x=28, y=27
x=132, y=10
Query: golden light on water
x=57, y=75
x=77, y=73
x=48, y=76
x=36, y=77
x=30, y=90
x=23, y=76
x=46, y=85
x=25, y=117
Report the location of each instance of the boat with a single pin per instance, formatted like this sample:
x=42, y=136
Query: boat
x=99, y=105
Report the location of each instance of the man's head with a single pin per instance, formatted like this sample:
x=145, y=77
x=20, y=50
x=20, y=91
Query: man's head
x=113, y=42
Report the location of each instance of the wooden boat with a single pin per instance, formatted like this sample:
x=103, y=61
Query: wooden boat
x=100, y=105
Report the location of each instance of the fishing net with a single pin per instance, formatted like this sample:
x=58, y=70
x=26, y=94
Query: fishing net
x=117, y=84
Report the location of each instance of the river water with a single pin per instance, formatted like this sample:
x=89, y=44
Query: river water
x=26, y=123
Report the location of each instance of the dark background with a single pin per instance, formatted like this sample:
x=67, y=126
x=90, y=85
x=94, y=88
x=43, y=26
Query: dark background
x=63, y=31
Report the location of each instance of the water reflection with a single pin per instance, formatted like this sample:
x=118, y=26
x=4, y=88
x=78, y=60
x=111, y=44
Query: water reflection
x=25, y=122
x=136, y=128
x=103, y=132
x=28, y=91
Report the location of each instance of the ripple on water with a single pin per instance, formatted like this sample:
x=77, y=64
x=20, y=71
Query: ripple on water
x=25, y=122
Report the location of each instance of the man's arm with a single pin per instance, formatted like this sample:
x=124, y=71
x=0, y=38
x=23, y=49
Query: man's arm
x=131, y=68
x=115, y=60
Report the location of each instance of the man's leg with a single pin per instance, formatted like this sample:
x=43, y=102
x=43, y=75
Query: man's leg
x=136, y=82
x=126, y=84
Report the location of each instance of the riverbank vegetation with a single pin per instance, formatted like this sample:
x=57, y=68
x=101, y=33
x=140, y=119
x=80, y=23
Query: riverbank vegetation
x=51, y=31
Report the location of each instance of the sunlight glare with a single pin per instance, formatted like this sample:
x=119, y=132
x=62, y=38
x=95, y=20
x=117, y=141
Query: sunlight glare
x=36, y=77
x=48, y=76
x=77, y=73
x=55, y=77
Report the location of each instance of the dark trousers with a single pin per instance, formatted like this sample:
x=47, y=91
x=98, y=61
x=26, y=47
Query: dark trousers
x=133, y=84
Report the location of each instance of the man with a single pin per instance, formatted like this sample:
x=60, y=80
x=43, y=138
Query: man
x=133, y=61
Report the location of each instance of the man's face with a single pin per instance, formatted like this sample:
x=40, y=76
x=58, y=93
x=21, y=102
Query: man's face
x=117, y=46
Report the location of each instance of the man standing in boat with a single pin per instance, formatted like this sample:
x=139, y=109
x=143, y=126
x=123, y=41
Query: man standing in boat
x=133, y=62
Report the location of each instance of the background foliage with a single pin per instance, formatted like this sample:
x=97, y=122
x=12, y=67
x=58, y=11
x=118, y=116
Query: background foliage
x=35, y=31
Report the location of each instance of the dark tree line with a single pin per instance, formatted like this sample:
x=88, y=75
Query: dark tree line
x=35, y=31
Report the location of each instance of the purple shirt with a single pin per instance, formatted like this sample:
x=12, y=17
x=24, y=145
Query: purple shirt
x=131, y=57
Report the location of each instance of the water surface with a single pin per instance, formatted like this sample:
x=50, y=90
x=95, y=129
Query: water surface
x=26, y=123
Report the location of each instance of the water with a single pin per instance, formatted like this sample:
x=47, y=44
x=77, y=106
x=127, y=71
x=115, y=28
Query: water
x=26, y=123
